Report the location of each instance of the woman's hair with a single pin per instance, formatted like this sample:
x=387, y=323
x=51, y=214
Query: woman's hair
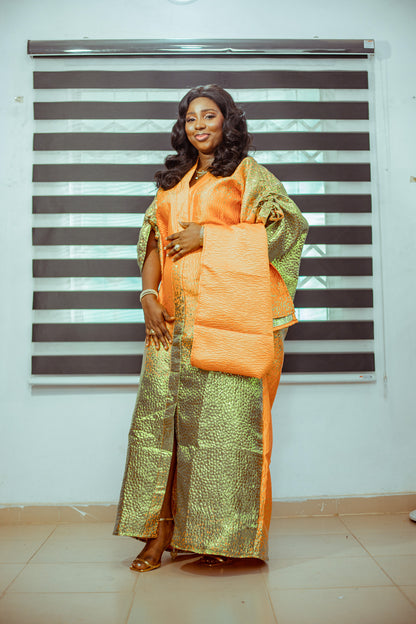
x=228, y=155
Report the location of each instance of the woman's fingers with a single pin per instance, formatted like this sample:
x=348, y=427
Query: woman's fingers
x=167, y=316
x=178, y=255
x=178, y=250
x=166, y=336
x=174, y=236
x=162, y=337
x=175, y=245
x=155, y=336
x=172, y=243
x=188, y=240
x=151, y=336
x=159, y=335
x=178, y=238
x=156, y=316
x=156, y=341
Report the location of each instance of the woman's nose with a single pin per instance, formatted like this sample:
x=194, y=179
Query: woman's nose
x=200, y=123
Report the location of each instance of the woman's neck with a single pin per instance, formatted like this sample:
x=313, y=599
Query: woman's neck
x=204, y=162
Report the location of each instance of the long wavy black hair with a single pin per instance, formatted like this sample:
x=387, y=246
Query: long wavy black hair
x=228, y=155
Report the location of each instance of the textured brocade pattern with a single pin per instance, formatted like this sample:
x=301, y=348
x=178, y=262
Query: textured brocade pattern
x=149, y=223
x=222, y=422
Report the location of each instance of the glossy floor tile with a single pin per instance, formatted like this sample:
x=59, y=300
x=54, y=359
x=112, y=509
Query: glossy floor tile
x=346, y=605
x=88, y=531
x=372, y=523
x=306, y=526
x=88, y=551
x=401, y=568
x=26, y=532
x=410, y=592
x=389, y=543
x=19, y=551
x=8, y=573
x=325, y=572
x=61, y=608
x=319, y=545
x=223, y=604
x=322, y=570
x=73, y=577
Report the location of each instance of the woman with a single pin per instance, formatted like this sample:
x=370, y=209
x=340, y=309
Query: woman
x=219, y=252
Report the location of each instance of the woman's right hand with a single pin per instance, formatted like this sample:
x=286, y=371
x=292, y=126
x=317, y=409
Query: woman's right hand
x=155, y=318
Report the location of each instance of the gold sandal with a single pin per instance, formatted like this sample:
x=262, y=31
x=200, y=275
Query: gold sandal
x=152, y=566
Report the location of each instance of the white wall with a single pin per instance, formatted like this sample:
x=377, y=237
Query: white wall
x=68, y=445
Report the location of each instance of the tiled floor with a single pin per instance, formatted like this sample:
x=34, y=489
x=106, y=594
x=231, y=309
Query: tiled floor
x=322, y=570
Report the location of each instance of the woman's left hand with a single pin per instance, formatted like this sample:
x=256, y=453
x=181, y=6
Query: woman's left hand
x=182, y=243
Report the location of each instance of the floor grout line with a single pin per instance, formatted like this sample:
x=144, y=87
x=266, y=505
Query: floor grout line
x=263, y=575
x=3, y=593
x=25, y=564
x=406, y=596
x=132, y=601
x=41, y=546
x=272, y=606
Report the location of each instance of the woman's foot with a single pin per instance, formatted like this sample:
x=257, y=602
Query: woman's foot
x=149, y=558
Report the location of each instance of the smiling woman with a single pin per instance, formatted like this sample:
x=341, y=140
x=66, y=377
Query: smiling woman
x=219, y=251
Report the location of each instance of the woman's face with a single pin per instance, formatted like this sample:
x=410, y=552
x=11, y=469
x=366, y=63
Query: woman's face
x=203, y=125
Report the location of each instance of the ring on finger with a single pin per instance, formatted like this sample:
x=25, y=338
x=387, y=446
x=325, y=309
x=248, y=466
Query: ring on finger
x=177, y=247
x=152, y=332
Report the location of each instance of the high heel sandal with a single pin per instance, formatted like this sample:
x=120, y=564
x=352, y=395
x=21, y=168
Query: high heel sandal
x=153, y=566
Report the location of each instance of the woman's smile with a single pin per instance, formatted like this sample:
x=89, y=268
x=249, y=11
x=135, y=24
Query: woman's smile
x=202, y=137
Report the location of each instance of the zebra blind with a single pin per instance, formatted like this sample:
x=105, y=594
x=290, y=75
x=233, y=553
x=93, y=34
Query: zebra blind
x=102, y=129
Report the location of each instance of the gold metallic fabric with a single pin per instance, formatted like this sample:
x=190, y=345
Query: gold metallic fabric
x=221, y=421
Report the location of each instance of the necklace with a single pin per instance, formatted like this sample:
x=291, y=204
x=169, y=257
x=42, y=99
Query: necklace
x=199, y=173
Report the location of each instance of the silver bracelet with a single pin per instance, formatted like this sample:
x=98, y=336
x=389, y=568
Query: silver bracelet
x=148, y=291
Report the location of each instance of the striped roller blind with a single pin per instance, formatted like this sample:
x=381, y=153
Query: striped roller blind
x=102, y=129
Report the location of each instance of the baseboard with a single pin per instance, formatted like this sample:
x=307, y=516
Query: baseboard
x=52, y=514
x=348, y=505
x=290, y=508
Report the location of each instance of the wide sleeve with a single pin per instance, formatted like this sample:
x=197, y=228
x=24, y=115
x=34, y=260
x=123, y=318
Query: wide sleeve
x=265, y=201
x=149, y=224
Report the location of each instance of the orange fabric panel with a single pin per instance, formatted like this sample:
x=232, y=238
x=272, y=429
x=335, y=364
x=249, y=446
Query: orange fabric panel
x=233, y=330
x=270, y=384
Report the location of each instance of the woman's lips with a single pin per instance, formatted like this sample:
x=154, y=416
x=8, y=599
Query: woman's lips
x=201, y=137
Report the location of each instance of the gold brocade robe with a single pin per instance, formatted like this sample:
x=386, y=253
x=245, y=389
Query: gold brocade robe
x=222, y=421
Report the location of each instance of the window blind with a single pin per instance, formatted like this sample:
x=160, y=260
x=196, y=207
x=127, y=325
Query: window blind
x=102, y=129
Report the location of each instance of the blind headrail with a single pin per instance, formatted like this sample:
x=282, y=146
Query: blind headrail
x=197, y=47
